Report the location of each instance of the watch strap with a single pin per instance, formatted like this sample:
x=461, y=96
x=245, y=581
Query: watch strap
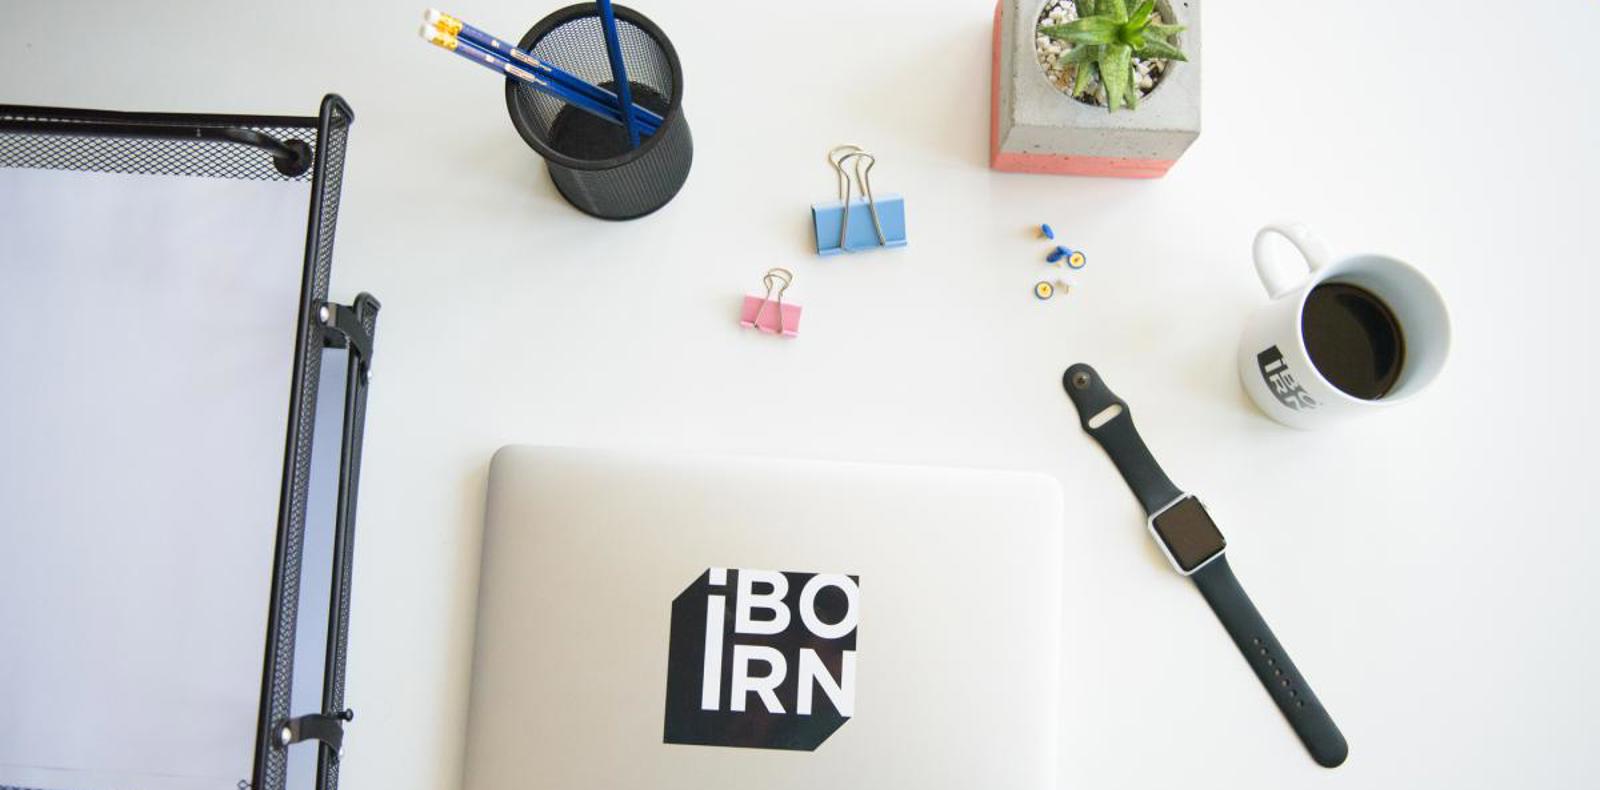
x=1271, y=663
x=1119, y=438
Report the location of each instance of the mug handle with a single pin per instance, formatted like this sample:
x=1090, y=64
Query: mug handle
x=1272, y=274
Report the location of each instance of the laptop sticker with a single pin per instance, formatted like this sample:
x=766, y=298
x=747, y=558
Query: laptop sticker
x=762, y=659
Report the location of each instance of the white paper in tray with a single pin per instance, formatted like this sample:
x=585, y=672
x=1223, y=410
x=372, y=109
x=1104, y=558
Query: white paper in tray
x=147, y=329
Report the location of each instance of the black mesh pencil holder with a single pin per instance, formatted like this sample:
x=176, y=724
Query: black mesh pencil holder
x=589, y=158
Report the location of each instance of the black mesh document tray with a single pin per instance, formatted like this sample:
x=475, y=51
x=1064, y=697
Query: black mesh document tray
x=182, y=420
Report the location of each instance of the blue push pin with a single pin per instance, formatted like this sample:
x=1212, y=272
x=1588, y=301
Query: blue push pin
x=1075, y=258
x=1047, y=231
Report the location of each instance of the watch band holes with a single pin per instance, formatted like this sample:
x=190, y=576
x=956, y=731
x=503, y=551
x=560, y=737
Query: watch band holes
x=1277, y=672
x=1105, y=415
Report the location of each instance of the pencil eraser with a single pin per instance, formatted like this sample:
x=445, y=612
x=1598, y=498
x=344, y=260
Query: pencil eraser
x=434, y=35
x=432, y=16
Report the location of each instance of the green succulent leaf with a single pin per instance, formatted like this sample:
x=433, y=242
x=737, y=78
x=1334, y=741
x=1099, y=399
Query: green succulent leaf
x=1091, y=30
x=1141, y=16
x=1083, y=53
x=1159, y=49
x=1163, y=32
x=1116, y=72
x=1105, y=38
x=1085, y=72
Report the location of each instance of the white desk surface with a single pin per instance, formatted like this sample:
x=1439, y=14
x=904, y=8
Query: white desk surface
x=1430, y=567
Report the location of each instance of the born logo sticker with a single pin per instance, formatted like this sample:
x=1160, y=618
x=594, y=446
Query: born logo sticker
x=1282, y=383
x=762, y=659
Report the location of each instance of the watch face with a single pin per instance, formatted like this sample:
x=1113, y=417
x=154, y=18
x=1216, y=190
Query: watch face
x=1189, y=534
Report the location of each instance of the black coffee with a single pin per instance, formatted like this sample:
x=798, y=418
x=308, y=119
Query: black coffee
x=1353, y=338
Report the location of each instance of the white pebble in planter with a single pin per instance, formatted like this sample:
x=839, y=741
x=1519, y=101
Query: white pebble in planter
x=1035, y=126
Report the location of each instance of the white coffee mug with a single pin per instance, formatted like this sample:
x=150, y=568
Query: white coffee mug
x=1274, y=364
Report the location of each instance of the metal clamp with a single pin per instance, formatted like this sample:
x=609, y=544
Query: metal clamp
x=344, y=326
x=863, y=181
x=327, y=728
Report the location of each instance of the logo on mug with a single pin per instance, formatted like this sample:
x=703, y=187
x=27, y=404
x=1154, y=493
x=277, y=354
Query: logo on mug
x=762, y=659
x=1281, y=382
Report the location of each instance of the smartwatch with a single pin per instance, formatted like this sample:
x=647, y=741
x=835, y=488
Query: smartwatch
x=1195, y=547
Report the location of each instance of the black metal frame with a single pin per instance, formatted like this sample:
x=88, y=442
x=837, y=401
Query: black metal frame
x=291, y=157
x=320, y=325
x=352, y=328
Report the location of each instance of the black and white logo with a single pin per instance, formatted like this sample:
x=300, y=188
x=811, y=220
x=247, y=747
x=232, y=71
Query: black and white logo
x=762, y=659
x=1281, y=382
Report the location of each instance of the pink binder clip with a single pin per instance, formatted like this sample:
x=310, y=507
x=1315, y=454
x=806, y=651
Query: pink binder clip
x=769, y=314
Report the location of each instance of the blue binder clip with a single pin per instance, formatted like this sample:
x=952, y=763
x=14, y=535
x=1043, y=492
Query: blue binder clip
x=869, y=224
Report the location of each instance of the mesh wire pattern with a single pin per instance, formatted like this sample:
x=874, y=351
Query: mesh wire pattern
x=590, y=162
x=152, y=156
x=576, y=46
x=334, y=132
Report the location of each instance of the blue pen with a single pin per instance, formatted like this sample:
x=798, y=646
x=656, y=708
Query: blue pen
x=490, y=61
x=619, y=71
x=647, y=119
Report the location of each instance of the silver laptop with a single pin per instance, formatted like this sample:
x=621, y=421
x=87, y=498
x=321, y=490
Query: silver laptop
x=654, y=621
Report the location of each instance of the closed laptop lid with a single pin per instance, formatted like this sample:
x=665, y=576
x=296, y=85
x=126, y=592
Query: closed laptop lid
x=671, y=621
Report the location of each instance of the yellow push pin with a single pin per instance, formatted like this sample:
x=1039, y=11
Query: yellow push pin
x=1044, y=289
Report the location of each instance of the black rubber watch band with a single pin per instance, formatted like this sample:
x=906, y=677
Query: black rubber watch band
x=1272, y=665
x=1266, y=657
x=1119, y=438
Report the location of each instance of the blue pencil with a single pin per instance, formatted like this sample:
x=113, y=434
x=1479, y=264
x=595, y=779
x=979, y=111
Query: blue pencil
x=648, y=120
x=619, y=71
x=489, y=60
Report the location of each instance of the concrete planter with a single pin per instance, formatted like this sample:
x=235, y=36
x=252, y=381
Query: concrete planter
x=1036, y=128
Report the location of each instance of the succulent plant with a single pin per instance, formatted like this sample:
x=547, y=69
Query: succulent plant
x=1105, y=39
